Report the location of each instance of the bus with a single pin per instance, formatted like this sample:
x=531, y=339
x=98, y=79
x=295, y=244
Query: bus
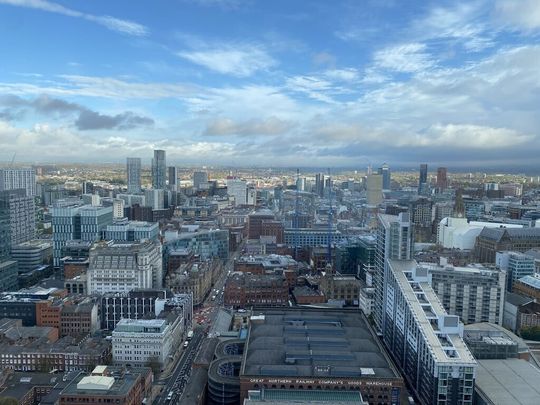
x=189, y=335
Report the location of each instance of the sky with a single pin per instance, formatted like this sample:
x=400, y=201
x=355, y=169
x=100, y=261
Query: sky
x=272, y=83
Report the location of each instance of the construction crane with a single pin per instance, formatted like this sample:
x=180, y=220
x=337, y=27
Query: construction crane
x=12, y=160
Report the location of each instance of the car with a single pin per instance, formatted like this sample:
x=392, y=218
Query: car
x=186, y=343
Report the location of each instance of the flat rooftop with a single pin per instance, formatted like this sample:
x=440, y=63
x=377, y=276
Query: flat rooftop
x=307, y=397
x=510, y=381
x=315, y=343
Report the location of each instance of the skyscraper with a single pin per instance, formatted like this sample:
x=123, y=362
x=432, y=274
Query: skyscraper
x=20, y=212
x=319, y=184
x=384, y=170
x=442, y=180
x=173, y=177
x=12, y=179
x=159, y=170
x=422, y=182
x=133, y=175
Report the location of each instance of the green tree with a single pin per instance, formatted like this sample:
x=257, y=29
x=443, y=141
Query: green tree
x=8, y=401
x=532, y=333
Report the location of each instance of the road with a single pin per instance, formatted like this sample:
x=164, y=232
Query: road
x=178, y=378
x=176, y=381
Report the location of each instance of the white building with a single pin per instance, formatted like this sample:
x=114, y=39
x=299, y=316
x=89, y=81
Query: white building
x=425, y=342
x=457, y=233
x=118, y=208
x=141, y=342
x=124, y=267
x=238, y=189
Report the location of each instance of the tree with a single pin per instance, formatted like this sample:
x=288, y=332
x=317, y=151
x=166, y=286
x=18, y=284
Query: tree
x=8, y=401
x=532, y=333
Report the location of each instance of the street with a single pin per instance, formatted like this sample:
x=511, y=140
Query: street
x=203, y=319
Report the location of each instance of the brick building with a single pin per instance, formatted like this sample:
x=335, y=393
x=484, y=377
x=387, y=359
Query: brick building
x=256, y=289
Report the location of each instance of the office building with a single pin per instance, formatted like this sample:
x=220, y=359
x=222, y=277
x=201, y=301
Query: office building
x=8, y=275
x=394, y=241
x=206, y=243
x=384, y=171
x=109, y=384
x=141, y=342
x=311, y=236
x=77, y=222
x=32, y=254
x=132, y=199
x=308, y=351
x=19, y=211
x=256, y=220
x=442, y=179
x=474, y=293
x=141, y=304
x=172, y=175
x=159, y=170
x=374, y=187
x=132, y=231
x=200, y=180
x=124, y=267
x=423, y=185
x=493, y=240
x=517, y=265
x=14, y=179
x=133, y=175
x=237, y=188
x=245, y=290
x=423, y=339
x=528, y=286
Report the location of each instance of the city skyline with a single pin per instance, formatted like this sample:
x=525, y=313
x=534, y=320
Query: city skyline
x=241, y=83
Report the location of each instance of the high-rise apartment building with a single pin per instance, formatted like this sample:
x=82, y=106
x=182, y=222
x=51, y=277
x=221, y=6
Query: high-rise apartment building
x=12, y=179
x=425, y=342
x=73, y=221
x=125, y=266
x=319, y=184
x=384, y=171
x=442, y=179
x=155, y=198
x=200, y=180
x=159, y=170
x=394, y=241
x=423, y=187
x=172, y=175
x=133, y=175
x=374, y=187
x=20, y=211
x=474, y=293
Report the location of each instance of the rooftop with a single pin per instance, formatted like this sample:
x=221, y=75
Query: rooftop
x=315, y=343
x=446, y=344
x=510, y=381
x=531, y=281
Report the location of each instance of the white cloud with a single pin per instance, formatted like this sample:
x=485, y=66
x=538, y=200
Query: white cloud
x=521, y=14
x=240, y=60
x=345, y=75
x=112, y=23
x=408, y=58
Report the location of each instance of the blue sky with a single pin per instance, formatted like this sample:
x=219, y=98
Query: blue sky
x=277, y=83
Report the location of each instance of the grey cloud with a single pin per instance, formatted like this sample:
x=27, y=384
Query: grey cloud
x=93, y=120
x=87, y=119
